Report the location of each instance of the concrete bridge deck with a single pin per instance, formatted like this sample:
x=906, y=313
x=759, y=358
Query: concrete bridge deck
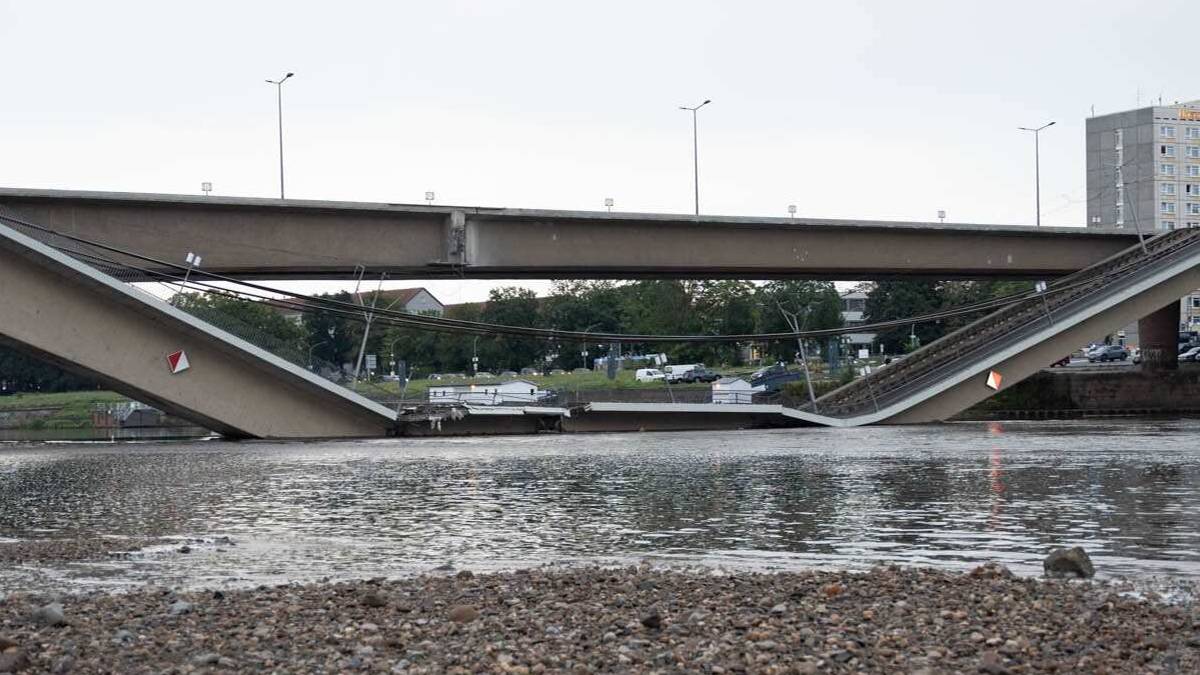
x=303, y=239
x=70, y=314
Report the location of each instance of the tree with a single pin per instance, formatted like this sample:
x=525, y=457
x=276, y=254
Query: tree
x=510, y=306
x=891, y=300
x=816, y=304
x=253, y=321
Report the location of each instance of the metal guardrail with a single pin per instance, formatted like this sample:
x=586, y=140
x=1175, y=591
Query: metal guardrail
x=941, y=357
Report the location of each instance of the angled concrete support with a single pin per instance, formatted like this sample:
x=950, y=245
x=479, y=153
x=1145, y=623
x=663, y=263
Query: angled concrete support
x=60, y=309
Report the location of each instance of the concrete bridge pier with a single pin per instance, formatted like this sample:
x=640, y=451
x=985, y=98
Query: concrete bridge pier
x=1158, y=333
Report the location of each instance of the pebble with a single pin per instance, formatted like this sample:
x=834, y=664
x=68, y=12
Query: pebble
x=13, y=660
x=374, y=599
x=179, y=607
x=463, y=613
x=50, y=615
x=652, y=620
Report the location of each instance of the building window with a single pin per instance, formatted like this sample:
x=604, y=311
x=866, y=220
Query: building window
x=1166, y=169
x=1193, y=170
x=1192, y=132
x=1166, y=131
x=1193, y=152
x=1166, y=150
x=1196, y=302
x=1166, y=207
x=1192, y=223
x=1167, y=188
x=1193, y=209
x=1168, y=224
x=1191, y=189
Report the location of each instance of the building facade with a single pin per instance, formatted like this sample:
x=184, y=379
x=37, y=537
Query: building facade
x=1143, y=173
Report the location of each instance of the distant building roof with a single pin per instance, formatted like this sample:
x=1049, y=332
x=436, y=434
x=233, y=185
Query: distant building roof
x=732, y=380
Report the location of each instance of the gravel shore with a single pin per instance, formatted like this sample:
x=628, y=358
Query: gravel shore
x=70, y=550
x=588, y=620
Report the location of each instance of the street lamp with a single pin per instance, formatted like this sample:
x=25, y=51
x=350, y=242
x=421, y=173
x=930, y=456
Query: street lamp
x=696, y=150
x=279, y=95
x=1037, y=175
x=392, y=351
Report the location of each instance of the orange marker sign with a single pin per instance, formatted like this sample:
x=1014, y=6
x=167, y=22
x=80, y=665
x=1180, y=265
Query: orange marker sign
x=993, y=381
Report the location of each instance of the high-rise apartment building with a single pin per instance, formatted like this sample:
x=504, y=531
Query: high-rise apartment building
x=1143, y=171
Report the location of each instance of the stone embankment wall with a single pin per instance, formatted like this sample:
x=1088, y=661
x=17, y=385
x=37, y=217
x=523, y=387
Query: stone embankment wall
x=23, y=417
x=1075, y=392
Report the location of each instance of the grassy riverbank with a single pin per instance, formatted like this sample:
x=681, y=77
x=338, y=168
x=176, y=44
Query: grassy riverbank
x=596, y=620
x=62, y=410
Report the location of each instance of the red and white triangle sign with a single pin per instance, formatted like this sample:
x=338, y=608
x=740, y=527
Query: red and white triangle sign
x=178, y=361
x=993, y=381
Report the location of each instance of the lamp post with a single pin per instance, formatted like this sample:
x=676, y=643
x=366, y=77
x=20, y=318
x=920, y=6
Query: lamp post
x=1037, y=173
x=392, y=351
x=279, y=96
x=696, y=150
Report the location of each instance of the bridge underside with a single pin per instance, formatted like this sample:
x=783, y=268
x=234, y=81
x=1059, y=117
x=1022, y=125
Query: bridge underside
x=60, y=310
x=269, y=238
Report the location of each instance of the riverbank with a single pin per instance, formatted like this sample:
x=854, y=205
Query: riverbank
x=61, y=410
x=612, y=620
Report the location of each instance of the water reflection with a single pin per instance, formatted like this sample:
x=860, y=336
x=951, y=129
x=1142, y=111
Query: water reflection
x=944, y=495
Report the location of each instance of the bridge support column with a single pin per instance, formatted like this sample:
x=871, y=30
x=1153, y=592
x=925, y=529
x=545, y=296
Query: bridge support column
x=1158, y=334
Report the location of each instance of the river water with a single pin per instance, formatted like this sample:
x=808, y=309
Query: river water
x=948, y=496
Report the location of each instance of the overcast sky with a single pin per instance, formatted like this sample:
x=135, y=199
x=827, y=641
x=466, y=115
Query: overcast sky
x=880, y=109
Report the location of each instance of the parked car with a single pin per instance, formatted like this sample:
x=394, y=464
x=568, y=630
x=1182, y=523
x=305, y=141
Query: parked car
x=649, y=375
x=678, y=372
x=1062, y=363
x=701, y=374
x=1190, y=355
x=773, y=377
x=1108, y=353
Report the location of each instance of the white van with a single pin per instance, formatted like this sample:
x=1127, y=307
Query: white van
x=678, y=373
x=648, y=374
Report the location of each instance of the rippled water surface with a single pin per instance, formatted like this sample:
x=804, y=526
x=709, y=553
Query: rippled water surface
x=948, y=495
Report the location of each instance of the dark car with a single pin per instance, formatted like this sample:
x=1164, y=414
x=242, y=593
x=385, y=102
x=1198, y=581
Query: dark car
x=701, y=374
x=1108, y=353
x=1063, y=362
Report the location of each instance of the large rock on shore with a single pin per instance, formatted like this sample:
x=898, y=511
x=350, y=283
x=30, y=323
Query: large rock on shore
x=1069, y=562
x=50, y=615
